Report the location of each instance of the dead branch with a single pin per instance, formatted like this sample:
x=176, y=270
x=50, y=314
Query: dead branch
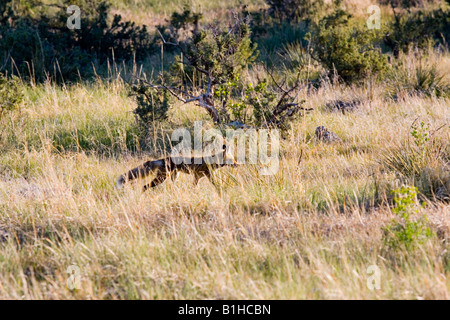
x=202, y=100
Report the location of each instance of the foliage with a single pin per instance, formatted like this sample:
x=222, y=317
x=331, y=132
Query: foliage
x=422, y=161
x=421, y=135
x=402, y=3
x=270, y=28
x=410, y=158
x=417, y=80
x=294, y=10
x=258, y=105
x=220, y=53
x=209, y=58
x=39, y=41
x=187, y=20
x=407, y=232
x=420, y=29
x=346, y=49
x=10, y=93
x=152, y=104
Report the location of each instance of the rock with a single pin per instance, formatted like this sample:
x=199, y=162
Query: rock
x=4, y=236
x=325, y=135
x=238, y=125
x=344, y=106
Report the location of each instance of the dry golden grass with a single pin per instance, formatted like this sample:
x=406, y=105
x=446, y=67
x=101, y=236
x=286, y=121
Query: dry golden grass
x=310, y=231
x=155, y=12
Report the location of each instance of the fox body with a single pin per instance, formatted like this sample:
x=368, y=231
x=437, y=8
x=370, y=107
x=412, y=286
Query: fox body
x=171, y=166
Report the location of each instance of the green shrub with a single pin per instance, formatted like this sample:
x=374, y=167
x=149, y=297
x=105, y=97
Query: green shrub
x=294, y=10
x=423, y=80
x=204, y=59
x=269, y=38
x=186, y=20
x=410, y=158
x=247, y=103
x=343, y=47
x=258, y=105
x=37, y=39
x=422, y=161
x=419, y=29
x=153, y=105
x=221, y=53
x=10, y=93
x=410, y=231
x=208, y=62
x=402, y=3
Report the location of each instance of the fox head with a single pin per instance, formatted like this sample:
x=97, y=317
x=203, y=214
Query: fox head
x=228, y=158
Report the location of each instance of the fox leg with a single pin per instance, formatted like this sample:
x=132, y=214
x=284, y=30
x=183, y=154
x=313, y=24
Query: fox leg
x=199, y=175
x=160, y=178
x=174, y=176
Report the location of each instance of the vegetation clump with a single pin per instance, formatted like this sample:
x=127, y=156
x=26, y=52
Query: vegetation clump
x=411, y=230
x=37, y=43
x=10, y=93
x=344, y=48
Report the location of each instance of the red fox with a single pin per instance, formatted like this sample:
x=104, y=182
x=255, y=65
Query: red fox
x=171, y=166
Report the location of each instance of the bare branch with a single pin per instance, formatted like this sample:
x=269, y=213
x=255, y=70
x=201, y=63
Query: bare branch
x=168, y=42
x=201, y=100
x=211, y=109
x=208, y=90
x=274, y=81
x=171, y=90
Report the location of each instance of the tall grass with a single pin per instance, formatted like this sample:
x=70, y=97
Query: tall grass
x=418, y=76
x=309, y=231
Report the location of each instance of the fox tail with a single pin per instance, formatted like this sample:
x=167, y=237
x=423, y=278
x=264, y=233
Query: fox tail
x=141, y=171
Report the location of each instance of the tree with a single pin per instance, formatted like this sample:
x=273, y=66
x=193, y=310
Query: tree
x=294, y=10
x=342, y=46
x=34, y=35
x=207, y=71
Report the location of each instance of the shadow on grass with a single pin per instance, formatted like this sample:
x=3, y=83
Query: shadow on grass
x=52, y=232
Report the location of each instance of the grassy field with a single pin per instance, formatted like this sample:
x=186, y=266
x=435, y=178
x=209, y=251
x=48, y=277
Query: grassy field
x=154, y=12
x=311, y=231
